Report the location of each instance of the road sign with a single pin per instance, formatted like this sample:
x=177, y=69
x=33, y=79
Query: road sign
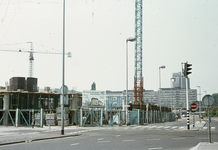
x=193, y=106
x=65, y=89
x=208, y=100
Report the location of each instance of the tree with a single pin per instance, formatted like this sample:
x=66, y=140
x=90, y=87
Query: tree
x=215, y=96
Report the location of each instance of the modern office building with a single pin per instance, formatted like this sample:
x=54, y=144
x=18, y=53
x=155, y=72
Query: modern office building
x=174, y=97
x=179, y=81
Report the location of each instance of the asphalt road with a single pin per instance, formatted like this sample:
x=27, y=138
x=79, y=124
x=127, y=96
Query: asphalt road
x=166, y=136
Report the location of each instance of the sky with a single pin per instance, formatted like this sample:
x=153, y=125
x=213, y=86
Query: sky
x=174, y=32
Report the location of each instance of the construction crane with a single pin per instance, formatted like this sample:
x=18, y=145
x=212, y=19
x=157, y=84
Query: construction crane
x=138, y=79
x=31, y=58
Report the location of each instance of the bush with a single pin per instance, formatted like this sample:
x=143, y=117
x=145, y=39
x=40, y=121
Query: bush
x=213, y=112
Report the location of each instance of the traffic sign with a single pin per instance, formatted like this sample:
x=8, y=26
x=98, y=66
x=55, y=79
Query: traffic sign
x=208, y=100
x=193, y=106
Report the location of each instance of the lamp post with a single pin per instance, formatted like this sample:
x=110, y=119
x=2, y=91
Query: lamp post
x=127, y=40
x=62, y=91
x=161, y=67
x=171, y=94
x=199, y=99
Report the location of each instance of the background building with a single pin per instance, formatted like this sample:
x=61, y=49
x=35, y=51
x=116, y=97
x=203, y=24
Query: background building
x=174, y=97
x=179, y=81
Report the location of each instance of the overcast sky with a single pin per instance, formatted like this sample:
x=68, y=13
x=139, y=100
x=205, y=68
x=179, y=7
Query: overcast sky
x=173, y=32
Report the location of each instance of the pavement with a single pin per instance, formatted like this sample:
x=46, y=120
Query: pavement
x=12, y=135
x=204, y=145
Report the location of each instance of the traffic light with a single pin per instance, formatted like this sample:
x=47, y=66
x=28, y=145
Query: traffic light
x=187, y=69
x=130, y=107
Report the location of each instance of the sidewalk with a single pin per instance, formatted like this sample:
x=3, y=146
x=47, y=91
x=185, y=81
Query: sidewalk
x=206, y=146
x=12, y=135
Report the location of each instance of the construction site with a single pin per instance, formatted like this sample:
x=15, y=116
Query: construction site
x=21, y=103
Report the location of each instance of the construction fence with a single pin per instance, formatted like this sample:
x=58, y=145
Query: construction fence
x=117, y=117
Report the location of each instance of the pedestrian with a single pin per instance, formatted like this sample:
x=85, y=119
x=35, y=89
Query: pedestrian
x=176, y=118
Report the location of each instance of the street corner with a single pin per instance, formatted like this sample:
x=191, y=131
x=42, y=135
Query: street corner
x=205, y=146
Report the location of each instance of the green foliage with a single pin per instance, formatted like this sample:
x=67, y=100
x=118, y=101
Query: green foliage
x=213, y=112
x=215, y=96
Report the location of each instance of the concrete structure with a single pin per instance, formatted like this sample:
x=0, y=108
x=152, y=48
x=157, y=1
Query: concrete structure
x=34, y=102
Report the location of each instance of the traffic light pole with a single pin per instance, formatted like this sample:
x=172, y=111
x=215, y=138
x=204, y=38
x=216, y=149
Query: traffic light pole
x=187, y=105
x=186, y=73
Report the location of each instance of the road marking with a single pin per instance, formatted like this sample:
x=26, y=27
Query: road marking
x=178, y=138
x=166, y=127
x=128, y=140
x=117, y=135
x=103, y=141
x=160, y=127
x=153, y=139
x=136, y=127
x=203, y=138
x=74, y=144
x=155, y=148
x=174, y=127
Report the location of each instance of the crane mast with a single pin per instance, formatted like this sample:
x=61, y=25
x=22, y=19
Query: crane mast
x=31, y=60
x=138, y=79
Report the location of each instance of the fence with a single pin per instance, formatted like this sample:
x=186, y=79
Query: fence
x=117, y=117
x=21, y=117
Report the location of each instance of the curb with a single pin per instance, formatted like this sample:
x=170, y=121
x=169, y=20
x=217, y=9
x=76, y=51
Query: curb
x=15, y=141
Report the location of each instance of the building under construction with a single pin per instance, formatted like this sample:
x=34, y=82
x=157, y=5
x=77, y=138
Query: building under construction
x=22, y=105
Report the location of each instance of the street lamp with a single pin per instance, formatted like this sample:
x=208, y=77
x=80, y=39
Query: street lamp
x=131, y=39
x=161, y=67
x=199, y=99
x=62, y=91
x=172, y=94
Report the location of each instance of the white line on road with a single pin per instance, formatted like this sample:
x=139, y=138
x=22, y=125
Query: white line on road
x=155, y=148
x=74, y=144
x=128, y=140
x=152, y=126
x=205, y=138
x=117, y=135
x=166, y=127
x=178, y=138
x=103, y=141
x=153, y=139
